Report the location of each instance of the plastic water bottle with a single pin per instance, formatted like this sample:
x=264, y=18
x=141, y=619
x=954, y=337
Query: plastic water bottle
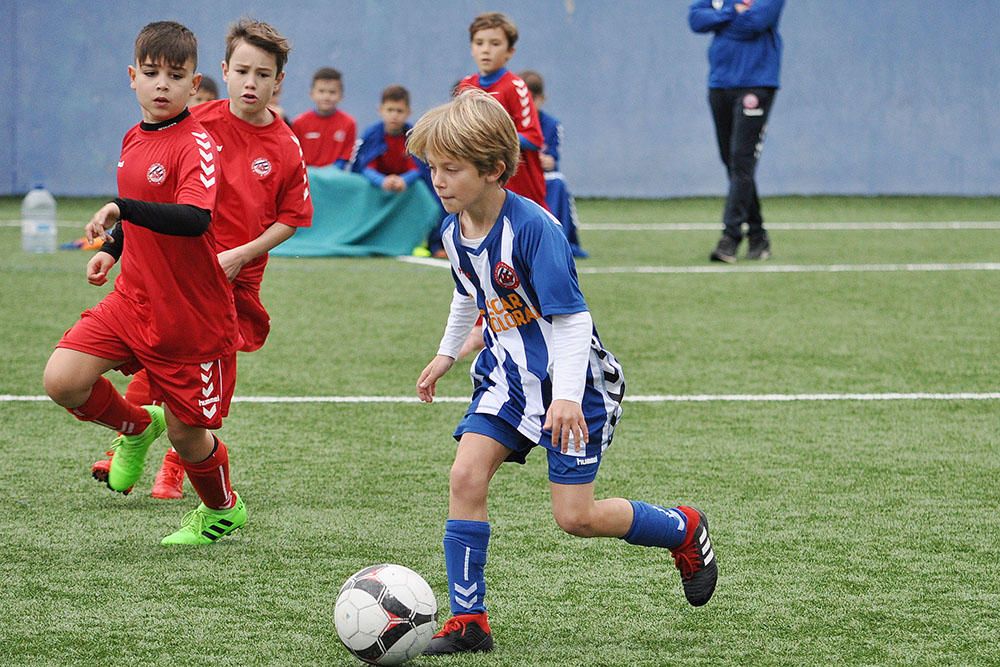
x=38, y=221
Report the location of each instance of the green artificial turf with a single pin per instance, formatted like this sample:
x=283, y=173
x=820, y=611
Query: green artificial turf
x=848, y=532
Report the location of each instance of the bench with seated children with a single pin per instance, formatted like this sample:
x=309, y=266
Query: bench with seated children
x=353, y=218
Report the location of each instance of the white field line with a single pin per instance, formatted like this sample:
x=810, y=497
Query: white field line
x=758, y=268
x=792, y=268
x=62, y=224
x=660, y=398
x=425, y=261
x=791, y=226
x=714, y=226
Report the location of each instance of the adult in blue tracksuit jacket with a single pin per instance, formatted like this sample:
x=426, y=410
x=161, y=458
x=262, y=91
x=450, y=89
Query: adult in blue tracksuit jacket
x=744, y=75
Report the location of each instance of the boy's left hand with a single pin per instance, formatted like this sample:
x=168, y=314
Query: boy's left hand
x=98, y=267
x=565, y=419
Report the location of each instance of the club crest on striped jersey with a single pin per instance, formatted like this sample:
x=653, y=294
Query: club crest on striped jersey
x=505, y=276
x=261, y=166
x=156, y=173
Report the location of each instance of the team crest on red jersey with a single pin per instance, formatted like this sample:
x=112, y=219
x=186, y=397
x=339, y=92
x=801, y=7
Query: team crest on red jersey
x=505, y=276
x=156, y=173
x=261, y=166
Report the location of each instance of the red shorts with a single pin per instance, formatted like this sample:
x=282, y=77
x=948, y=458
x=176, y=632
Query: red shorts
x=255, y=323
x=198, y=394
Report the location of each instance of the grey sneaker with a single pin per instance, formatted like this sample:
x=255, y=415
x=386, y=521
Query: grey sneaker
x=725, y=250
x=759, y=248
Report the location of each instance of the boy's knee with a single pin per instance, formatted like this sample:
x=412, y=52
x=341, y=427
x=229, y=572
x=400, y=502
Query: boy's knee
x=187, y=440
x=574, y=522
x=467, y=481
x=60, y=387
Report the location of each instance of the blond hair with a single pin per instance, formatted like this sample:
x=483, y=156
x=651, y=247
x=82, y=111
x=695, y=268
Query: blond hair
x=473, y=127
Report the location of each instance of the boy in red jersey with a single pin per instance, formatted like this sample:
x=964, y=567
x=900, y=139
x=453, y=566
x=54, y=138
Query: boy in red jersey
x=493, y=36
x=327, y=134
x=263, y=194
x=171, y=310
x=382, y=156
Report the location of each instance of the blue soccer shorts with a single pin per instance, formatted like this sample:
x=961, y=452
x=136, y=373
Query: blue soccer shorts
x=563, y=468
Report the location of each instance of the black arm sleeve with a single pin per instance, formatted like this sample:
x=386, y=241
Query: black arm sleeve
x=116, y=245
x=170, y=219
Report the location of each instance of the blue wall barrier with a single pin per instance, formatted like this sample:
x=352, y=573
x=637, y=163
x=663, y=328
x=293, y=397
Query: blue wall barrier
x=878, y=97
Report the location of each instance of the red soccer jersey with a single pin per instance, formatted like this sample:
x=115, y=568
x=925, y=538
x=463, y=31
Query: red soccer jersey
x=325, y=139
x=395, y=159
x=512, y=92
x=174, y=283
x=263, y=180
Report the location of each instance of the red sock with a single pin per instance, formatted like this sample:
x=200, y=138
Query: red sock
x=138, y=389
x=210, y=478
x=691, y=514
x=105, y=406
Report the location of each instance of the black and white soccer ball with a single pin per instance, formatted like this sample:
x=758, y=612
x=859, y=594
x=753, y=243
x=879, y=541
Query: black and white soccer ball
x=385, y=614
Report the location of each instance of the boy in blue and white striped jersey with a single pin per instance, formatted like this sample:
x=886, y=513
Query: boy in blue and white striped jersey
x=543, y=378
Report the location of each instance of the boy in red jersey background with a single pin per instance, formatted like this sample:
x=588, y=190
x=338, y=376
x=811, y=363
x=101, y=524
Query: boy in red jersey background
x=207, y=91
x=382, y=156
x=263, y=193
x=493, y=36
x=171, y=310
x=327, y=134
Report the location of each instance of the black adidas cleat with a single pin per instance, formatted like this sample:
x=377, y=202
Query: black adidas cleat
x=466, y=633
x=696, y=561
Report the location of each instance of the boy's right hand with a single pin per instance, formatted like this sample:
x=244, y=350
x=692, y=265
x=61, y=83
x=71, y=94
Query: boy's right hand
x=427, y=382
x=98, y=267
x=103, y=220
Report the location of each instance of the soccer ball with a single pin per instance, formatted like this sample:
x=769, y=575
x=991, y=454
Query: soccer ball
x=385, y=614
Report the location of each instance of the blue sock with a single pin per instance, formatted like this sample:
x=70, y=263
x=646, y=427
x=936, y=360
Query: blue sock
x=655, y=526
x=465, y=544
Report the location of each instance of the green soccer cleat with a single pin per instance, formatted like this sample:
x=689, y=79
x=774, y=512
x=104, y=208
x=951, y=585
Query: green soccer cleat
x=204, y=525
x=130, y=452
